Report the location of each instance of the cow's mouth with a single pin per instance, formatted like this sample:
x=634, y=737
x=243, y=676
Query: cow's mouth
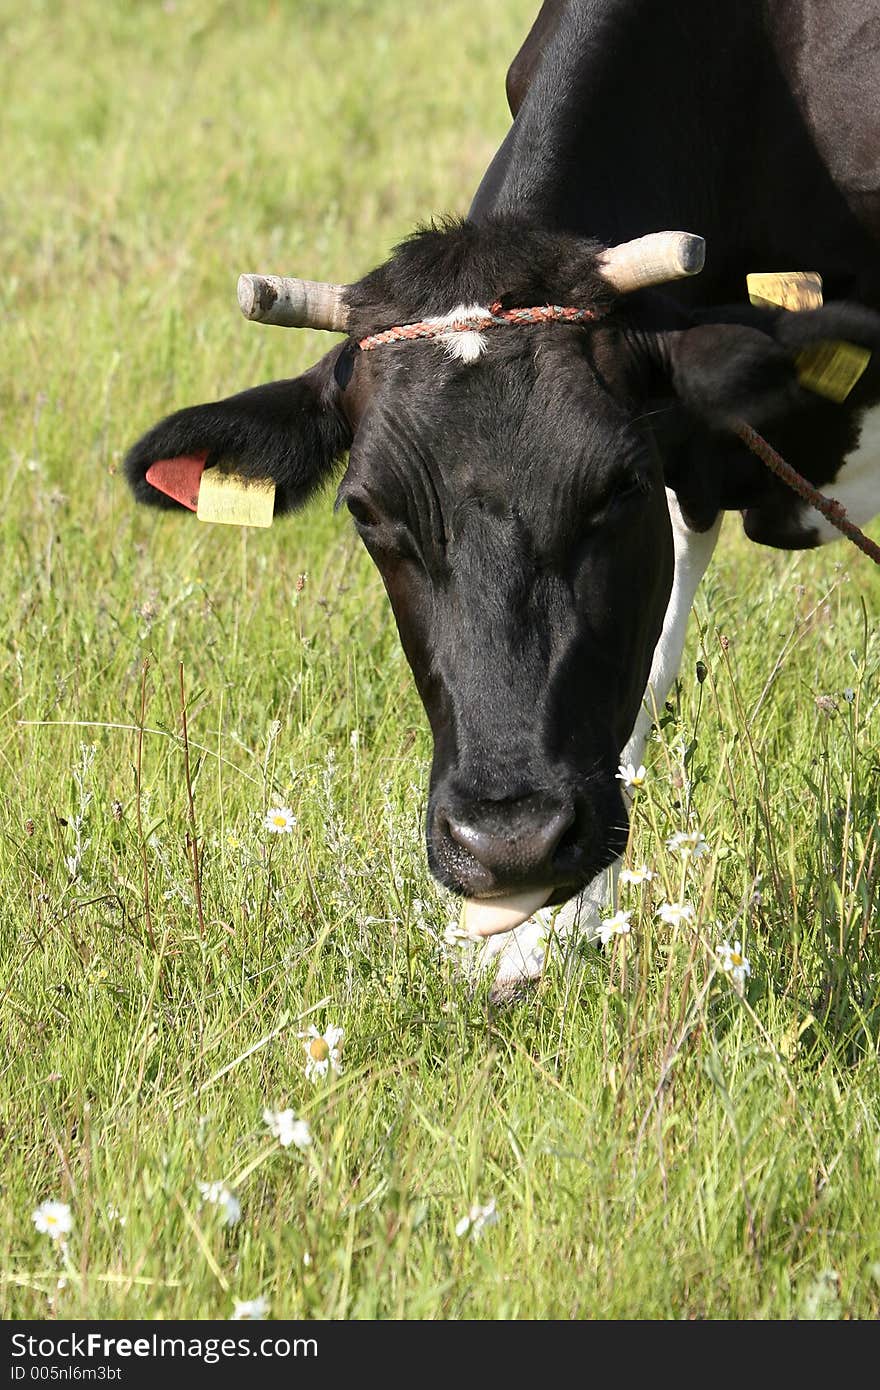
x=503, y=912
x=505, y=887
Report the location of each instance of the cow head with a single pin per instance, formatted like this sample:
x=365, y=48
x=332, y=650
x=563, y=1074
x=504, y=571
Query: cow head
x=515, y=507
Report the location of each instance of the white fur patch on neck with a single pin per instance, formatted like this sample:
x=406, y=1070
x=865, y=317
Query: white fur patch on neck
x=464, y=344
x=857, y=484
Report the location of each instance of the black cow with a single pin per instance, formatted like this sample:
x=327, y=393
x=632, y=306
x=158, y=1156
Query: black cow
x=542, y=503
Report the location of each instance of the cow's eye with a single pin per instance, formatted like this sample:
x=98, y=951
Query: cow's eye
x=628, y=486
x=363, y=513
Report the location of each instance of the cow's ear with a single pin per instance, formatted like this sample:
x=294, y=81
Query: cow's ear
x=753, y=365
x=291, y=432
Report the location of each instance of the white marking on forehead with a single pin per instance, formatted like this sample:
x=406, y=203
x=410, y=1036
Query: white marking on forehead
x=466, y=345
x=857, y=485
x=461, y=311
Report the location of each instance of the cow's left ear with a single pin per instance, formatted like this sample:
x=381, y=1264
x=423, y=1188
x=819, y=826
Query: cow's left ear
x=289, y=432
x=751, y=365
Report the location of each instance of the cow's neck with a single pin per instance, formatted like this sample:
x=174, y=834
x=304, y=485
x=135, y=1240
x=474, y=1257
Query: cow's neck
x=728, y=155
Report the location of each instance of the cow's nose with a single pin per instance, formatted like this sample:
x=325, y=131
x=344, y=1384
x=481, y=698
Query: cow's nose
x=514, y=841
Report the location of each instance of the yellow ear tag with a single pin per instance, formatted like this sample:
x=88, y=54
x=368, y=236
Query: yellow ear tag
x=235, y=501
x=831, y=369
x=789, y=289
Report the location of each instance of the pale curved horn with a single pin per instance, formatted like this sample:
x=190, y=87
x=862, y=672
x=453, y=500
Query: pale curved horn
x=652, y=260
x=293, y=303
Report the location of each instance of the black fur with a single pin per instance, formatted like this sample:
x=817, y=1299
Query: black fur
x=457, y=261
x=290, y=431
x=744, y=367
x=516, y=508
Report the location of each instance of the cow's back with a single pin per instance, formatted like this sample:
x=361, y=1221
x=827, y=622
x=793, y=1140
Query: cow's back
x=829, y=56
x=725, y=118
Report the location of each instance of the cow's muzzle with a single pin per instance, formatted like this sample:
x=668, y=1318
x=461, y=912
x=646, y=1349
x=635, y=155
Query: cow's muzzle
x=490, y=847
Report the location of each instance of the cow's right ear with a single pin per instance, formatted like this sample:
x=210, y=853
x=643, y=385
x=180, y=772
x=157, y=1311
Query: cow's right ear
x=291, y=432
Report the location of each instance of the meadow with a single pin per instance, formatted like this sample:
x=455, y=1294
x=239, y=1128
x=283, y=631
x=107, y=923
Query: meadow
x=656, y=1141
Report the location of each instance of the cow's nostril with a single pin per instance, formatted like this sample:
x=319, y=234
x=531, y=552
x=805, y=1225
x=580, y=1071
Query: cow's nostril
x=512, y=841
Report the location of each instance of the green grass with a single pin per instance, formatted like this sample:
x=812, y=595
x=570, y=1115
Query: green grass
x=656, y=1145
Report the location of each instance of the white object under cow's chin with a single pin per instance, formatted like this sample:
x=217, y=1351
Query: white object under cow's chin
x=489, y=916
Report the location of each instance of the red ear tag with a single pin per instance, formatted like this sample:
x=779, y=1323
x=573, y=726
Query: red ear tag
x=179, y=477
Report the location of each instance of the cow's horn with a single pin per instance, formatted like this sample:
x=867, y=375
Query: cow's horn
x=652, y=260
x=293, y=303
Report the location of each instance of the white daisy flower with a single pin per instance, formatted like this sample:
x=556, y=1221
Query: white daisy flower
x=456, y=938
x=734, y=963
x=636, y=876
x=217, y=1194
x=323, y=1052
x=280, y=820
x=674, y=914
x=287, y=1129
x=253, y=1311
x=690, y=844
x=53, y=1219
x=477, y=1218
x=618, y=925
x=631, y=777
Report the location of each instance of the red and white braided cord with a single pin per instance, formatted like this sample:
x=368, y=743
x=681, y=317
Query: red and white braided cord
x=494, y=317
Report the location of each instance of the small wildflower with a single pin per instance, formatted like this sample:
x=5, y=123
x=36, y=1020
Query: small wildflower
x=217, y=1194
x=287, y=1129
x=456, y=937
x=53, y=1219
x=323, y=1052
x=631, y=777
x=734, y=963
x=674, y=914
x=821, y=1301
x=636, y=876
x=690, y=844
x=114, y=1214
x=477, y=1218
x=253, y=1311
x=618, y=925
x=280, y=820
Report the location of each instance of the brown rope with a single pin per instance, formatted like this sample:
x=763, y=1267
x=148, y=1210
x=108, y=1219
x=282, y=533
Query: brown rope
x=833, y=511
x=493, y=317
